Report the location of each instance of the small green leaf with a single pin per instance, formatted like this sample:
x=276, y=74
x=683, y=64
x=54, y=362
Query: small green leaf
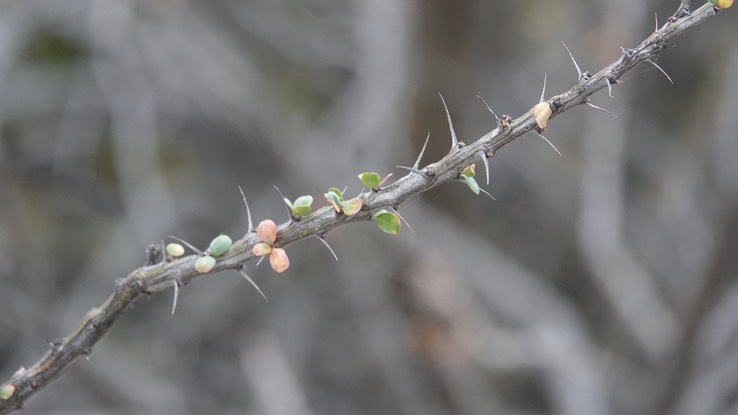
x=371, y=179
x=337, y=191
x=287, y=202
x=220, y=245
x=305, y=200
x=7, y=391
x=469, y=171
x=471, y=183
x=175, y=250
x=204, y=264
x=301, y=210
x=261, y=249
x=334, y=200
x=302, y=205
x=387, y=222
x=352, y=206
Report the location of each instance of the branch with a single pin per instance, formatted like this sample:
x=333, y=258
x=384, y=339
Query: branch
x=155, y=277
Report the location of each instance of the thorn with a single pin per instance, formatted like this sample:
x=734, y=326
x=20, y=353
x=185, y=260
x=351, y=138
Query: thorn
x=420, y=172
x=656, y=18
x=499, y=121
x=189, y=245
x=550, y=143
x=248, y=211
x=422, y=151
x=176, y=295
x=609, y=88
x=381, y=182
x=487, y=193
x=659, y=68
x=403, y=220
x=320, y=238
x=579, y=70
x=486, y=165
x=261, y=258
x=289, y=210
x=543, y=93
x=245, y=275
x=588, y=102
x=454, y=140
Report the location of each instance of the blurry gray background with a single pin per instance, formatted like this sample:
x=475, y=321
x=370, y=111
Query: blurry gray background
x=603, y=282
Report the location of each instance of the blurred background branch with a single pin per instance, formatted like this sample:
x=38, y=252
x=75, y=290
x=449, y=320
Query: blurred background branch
x=603, y=282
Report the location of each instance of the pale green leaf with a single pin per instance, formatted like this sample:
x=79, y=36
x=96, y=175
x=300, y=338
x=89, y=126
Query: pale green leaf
x=387, y=222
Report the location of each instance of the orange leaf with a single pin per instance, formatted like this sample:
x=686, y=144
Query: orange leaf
x=279, y=260
x=542, y=112
x=267, y=231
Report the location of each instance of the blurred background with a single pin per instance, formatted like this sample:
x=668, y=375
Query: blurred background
x=600, y=282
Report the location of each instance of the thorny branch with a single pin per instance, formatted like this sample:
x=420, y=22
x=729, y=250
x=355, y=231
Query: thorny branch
x=163, y=275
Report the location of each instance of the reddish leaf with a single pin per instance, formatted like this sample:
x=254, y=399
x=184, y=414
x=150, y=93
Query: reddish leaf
x=267, y=231
x=279, y=260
